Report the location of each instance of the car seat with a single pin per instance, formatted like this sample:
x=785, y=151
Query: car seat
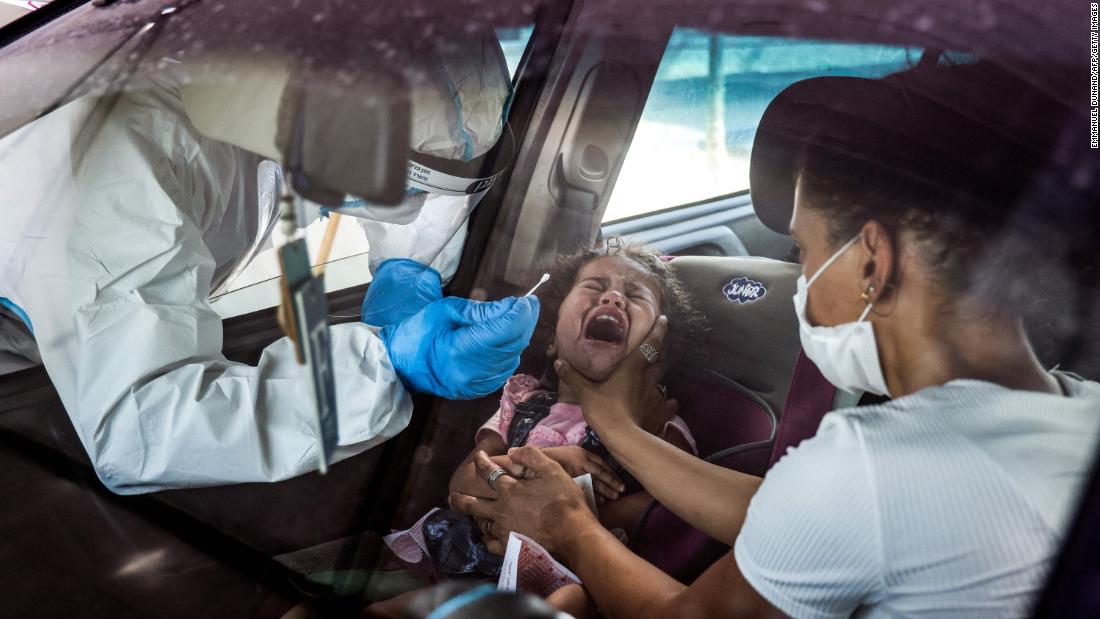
x=752, y=396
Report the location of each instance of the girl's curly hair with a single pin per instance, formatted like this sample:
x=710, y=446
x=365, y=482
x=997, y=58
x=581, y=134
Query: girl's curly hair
x=685, y=324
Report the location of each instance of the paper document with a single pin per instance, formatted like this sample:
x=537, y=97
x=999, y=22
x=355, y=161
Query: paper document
x=529, y=567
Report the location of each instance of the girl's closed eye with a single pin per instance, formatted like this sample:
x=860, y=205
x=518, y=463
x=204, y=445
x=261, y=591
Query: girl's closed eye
x=640, y=293
x=591, y=284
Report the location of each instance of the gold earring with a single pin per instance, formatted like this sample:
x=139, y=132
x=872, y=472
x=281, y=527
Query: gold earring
x=866, y=295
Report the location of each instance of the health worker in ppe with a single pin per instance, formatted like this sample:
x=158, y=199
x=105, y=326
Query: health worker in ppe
x=121, y=219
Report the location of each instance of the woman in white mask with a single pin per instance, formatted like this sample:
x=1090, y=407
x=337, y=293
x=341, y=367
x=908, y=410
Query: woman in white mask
x=948, y=500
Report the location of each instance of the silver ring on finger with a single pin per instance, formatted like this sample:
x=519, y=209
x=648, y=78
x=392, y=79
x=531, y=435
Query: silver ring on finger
x=649, y=352
x=663, y=390
x=489, y=528
x=494, y=476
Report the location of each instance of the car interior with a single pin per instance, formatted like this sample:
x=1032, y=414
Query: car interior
x=616, y=111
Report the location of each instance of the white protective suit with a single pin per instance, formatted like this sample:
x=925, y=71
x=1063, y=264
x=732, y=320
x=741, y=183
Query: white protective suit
x=112, y=249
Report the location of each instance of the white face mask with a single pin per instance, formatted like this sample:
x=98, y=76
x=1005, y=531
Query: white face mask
x=846, y=354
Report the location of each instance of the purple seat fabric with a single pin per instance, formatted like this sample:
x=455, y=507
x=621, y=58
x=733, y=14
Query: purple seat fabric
x=733, y=428
x=674, y=546
x=810, y=397
x=731, y=396
x=721, y=414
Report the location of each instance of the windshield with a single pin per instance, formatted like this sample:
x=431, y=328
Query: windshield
x=198, y=196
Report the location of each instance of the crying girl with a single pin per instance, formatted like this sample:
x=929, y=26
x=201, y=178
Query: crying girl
x=599, y=306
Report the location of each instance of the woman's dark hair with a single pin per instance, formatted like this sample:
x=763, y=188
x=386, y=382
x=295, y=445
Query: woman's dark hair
x=849, y=193
x=685, y=324
x=975, y=164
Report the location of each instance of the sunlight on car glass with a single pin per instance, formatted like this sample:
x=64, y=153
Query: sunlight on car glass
x=11, y=10
x=257, y=285
x=693, y=140
x=513, y=41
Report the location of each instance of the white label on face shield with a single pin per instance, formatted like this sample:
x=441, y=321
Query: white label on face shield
x=433, y=181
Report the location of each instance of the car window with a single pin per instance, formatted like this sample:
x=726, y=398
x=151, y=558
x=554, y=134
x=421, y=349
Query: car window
x=257, y=285
x=514, y=41
x=693, y=140
x=11, y=10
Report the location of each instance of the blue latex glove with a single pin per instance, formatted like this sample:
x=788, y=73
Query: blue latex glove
x=400, y=288
x=461, y=349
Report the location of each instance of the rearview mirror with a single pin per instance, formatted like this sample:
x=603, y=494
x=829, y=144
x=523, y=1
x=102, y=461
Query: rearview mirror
x=336, y=134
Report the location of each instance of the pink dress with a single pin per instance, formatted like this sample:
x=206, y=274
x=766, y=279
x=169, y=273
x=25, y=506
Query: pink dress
x=565, y=425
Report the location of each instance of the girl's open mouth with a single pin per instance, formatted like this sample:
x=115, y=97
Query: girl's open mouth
x=606, y=324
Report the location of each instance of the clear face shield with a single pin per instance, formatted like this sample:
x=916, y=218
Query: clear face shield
x=459, y=105
x=429, y=226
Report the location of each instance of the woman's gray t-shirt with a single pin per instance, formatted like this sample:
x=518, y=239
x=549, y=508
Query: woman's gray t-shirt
x=950, y=502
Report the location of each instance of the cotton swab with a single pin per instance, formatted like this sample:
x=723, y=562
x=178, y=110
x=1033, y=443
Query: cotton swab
x=545, y=278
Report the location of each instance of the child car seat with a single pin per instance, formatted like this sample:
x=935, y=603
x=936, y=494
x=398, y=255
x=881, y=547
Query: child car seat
x=752, y=396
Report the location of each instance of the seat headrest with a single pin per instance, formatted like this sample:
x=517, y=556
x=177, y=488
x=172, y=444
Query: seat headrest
x=351, y=140
x=753, y=333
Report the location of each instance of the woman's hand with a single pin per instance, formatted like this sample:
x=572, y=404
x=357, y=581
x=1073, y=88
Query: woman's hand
x=630, y=395
x=578, y=461
x=545, y=504
x=475, y=484
x=465, y=479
